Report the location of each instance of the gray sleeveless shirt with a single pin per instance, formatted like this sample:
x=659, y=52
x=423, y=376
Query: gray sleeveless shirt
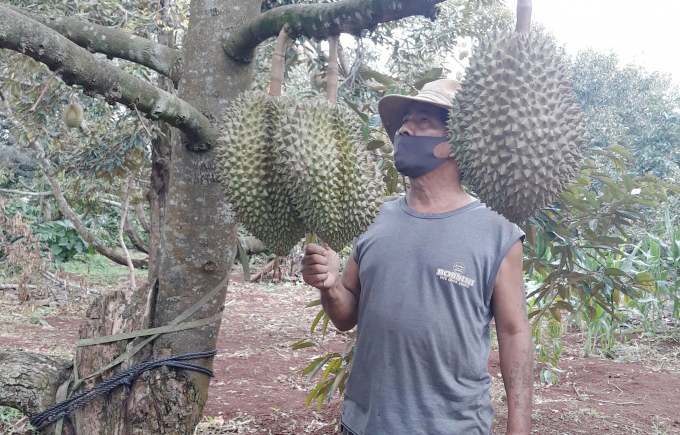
x=423, y=334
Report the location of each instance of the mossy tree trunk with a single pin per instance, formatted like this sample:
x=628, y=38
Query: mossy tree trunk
x=197, y=247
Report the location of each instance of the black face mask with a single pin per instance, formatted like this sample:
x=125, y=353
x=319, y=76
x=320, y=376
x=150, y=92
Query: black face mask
x=414, y=155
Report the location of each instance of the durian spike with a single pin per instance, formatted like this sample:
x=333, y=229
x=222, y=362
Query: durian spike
x=332, y=71
x=279, y=62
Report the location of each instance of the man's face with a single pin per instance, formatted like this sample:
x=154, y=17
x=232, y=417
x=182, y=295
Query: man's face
x=423, y=119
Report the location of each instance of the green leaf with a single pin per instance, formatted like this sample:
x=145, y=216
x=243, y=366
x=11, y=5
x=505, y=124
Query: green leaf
x=644, y=277
x=316, y=369
x=353, y=106
x=586, y=288
x=296, y=346
x=618, y=149
x=325, y=325
x=430, y=76
x=313, y=303
x=615, y=272
x=316, y=321
x=606, y=180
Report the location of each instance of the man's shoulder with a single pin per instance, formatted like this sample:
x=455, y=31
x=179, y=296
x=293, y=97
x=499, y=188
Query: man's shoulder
x=493, y=224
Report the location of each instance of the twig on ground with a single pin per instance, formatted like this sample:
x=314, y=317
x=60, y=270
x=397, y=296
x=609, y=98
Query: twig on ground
x=64, y=283
x=618, y=403
x=617, y=387
x=576, y=390
x=268, y=268
x=16, y=286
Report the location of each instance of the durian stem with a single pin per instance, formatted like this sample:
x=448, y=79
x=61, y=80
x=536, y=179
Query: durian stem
x=279, y=62
x=309, y=239
x=523, y=16
x=332, y=71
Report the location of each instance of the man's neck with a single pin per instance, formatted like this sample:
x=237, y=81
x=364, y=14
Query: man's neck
x=438, y=191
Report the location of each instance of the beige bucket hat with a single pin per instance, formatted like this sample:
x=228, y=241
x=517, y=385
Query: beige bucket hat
x=393, y=107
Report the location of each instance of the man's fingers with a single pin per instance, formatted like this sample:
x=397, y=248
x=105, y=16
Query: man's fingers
x=312, y=269
x=313, y=248
x=316, y=280
x=314, y=259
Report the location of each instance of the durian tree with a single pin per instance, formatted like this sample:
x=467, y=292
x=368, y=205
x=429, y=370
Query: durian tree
x=90, y=165
x=197, y=233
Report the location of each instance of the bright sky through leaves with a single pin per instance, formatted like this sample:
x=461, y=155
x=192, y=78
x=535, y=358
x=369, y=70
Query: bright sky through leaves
x=645, y=33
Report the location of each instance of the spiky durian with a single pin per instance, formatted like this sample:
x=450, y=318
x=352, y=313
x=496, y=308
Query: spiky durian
x=333, y=182
x=73, y=115
x=247, y=170
x=515, y=129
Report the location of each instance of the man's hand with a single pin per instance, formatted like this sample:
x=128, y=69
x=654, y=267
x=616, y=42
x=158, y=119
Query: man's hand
x=320, y=266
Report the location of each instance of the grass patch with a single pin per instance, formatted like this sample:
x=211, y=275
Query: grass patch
x=99, y=270
x=12, y=421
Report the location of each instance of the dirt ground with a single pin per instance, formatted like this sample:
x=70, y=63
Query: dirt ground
x=258, y=386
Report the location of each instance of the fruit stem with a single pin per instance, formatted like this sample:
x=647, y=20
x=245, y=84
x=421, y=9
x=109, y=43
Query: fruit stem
x=279, y=62
x=332, y=71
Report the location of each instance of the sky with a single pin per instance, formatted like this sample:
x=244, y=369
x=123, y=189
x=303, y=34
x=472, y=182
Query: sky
x=646, y=33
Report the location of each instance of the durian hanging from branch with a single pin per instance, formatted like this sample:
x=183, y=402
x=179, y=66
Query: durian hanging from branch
x=247, y=162
x=333, y=181
x=290, y=166
x=515, y=128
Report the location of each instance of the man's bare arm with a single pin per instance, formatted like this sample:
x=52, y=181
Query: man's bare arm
x=514, y=341
x=339, y=295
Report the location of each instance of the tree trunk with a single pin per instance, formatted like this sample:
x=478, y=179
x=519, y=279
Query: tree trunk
x=197, y=233
x=161, y=152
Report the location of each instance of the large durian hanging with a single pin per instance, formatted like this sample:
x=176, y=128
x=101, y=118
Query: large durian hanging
x=247, y=171
x=515, y=127
x=247, y=166
x=333, y=182
x=290, y=166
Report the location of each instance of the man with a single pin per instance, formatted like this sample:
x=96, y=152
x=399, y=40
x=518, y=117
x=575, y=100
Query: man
x=422, y=285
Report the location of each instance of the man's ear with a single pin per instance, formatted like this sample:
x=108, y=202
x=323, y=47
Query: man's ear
x=442, y=150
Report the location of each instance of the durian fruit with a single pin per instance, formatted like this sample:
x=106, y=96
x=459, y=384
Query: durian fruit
x=247, y=170
x=73, y=115
x=515, y=128
x=333, y=182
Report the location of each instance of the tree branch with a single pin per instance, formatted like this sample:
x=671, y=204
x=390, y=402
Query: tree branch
x=30, y=381
x=523, y=16
x=98, y=76
x=321, y=20
x=136, y=240
x=141, y=215
x=124, y=216
x=112, y=42
x=23, y=193
x=71, y=215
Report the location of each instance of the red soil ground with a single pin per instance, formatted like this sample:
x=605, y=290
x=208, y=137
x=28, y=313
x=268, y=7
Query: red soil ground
x=258, y=387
